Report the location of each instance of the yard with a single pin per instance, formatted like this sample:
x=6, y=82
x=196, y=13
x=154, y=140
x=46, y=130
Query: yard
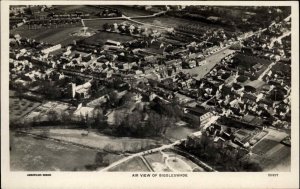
x=33, y=154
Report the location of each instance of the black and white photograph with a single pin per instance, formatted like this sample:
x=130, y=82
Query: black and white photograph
x=150, y=88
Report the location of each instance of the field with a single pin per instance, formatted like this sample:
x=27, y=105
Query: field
x=175, y=133
x=271, y=154
x=134, y=164
x=102, y=37
x=169, y=21
x=41, y=113
x=97, y=24
x=20, y=107
x=49, y=35
x=97, y=140
x=128, y=11
x=32, y=154
x=264, y=146
x=72, y=8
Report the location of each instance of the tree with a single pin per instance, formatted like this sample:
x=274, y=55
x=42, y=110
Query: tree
x=113, y=98
x=106, y=26
x=65, y=116
x=52, y=115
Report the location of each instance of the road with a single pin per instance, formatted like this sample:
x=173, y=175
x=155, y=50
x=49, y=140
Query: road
x=278, y=39
x=209, y=63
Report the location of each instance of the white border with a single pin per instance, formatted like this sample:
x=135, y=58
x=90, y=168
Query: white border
x=124, y=180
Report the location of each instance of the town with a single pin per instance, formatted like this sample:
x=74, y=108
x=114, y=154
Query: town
x=150, y=88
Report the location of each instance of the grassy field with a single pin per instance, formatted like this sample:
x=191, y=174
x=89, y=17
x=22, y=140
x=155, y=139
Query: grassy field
x=102, y=37
x=20, y=107
x=97, y=24
x=271, y=154
x=134, y=164
x=97, y=140
x=264, y=146
x=72, y=8
x=49, y=35
x=129, y=11
x=32, y=154
x=169, y=21
x=175, y=133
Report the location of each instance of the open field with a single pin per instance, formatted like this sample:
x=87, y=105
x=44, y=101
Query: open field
x=263, y=146
x=271, y=154
x=97, y=24
x=134, y=164
x=97, y=140
x=175, y=133
x=49, y=35
x=32, y=154
x=102, y=37
x=129, y=11
x=167, y=21
x=72, y=8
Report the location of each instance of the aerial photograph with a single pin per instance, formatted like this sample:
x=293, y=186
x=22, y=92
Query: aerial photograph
x=150, y=88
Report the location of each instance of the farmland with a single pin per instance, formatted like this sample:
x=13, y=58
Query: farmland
x=33, y=154
x=102, y=37
x=20, y=107
x=49, y=35
x=97, y=140
x=271, y=154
